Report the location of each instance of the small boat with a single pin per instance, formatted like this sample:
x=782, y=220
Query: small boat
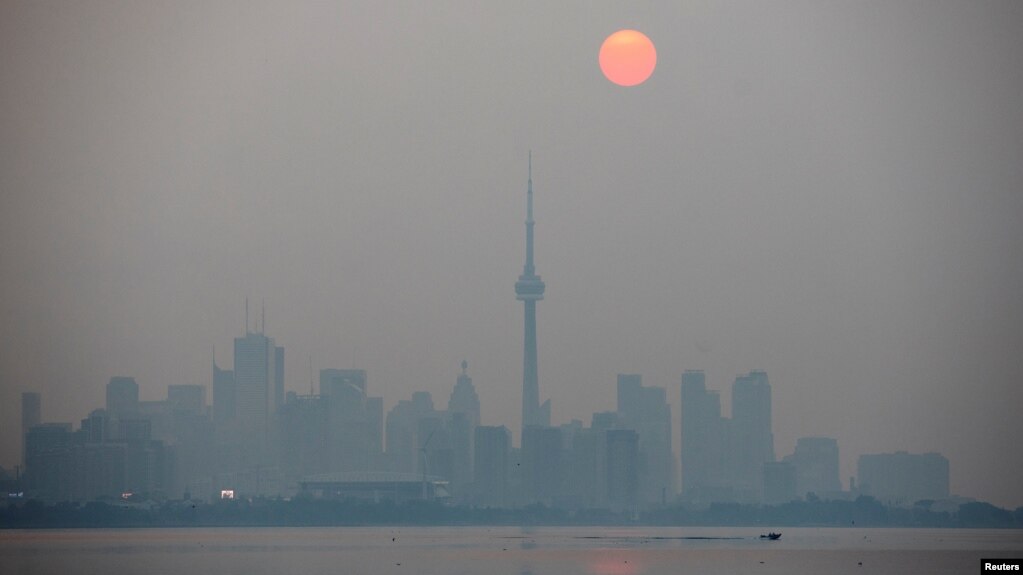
x=772, y=536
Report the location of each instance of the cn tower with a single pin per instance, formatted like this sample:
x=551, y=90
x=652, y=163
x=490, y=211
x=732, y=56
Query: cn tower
x=529, y=290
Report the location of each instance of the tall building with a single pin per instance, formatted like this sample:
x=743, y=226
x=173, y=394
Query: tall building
x=122, y=397
x=541, y=464
x=605, y=420
x=332, y=381
x=463, y=397
x=646, y=410
x=31, y=415
x=703, y=432
x=529, y=290
x=433, y=445
x=96, y=428
x=815, y=460
x=223, y=397
x=355, y=420
x=375, y=430
x=490, y=466
x=48, y=469
x=305, y=436
x=112, y=455
x=189, y=399
x=750, y=438
x=258, y=390
x=723, y=459
x=622, y=463
x=402, y=429
x=463, y=416
x=586, y=469
x=190, y=441
x=780, y=482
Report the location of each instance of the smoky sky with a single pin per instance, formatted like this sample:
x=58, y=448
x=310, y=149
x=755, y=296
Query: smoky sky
x=831, y=192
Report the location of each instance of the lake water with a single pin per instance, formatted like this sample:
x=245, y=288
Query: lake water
x=501, y=550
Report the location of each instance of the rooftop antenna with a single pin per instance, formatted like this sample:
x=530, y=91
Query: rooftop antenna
x=311, y=375
x=246, y=315
x=262, y=321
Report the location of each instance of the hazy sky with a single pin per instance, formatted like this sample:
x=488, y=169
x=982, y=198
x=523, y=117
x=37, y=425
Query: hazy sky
x=831, y=192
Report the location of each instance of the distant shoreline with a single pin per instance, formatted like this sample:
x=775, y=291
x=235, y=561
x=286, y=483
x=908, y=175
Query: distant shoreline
x=864, y=512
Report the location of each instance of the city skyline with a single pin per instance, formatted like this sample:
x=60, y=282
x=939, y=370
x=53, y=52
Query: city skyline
x=255, y=338
x=332, y=445
x=781, y=195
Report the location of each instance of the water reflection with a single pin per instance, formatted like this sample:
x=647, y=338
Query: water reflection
x=498, y=551
x=614, y=563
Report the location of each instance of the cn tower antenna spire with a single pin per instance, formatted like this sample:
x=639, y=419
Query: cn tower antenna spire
x=529, y=270
x=529, y=190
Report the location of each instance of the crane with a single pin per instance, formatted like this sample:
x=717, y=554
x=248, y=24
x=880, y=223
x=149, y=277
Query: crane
x=425, y=460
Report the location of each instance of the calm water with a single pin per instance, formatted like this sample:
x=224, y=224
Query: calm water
x=501, y=550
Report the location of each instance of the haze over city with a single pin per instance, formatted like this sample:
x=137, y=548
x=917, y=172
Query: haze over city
x=830, y=194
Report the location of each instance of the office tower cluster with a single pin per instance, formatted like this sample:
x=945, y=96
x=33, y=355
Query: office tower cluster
x=733, y=459
x=339, y=443
x=623, y=460
x=723, y=458
x=127, y=448
x=257, y=440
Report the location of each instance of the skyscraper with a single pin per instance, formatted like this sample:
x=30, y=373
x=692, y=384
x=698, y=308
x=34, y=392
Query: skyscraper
x=258, y=387
x=355, y=420
x=493, y=445
x=190, y=399
x=463, y=417
x=335, y=382
x=122, y=397
x=815, y=460
x=463, y=397
x=750, y=435
x=31, y=415
x=541, y=464
x=622, y=468
x=403, y=426
x=646, y=410
x=223, y=397
x=48, y=473
x=529, y=289
x=703, y=432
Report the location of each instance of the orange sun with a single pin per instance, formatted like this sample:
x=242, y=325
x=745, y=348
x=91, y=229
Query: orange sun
x=627, y=57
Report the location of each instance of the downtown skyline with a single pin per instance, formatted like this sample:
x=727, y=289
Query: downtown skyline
x=254, y=428
x=331, y=445
x=780, y=195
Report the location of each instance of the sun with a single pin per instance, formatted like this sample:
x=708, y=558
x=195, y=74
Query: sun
x=627, y=57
